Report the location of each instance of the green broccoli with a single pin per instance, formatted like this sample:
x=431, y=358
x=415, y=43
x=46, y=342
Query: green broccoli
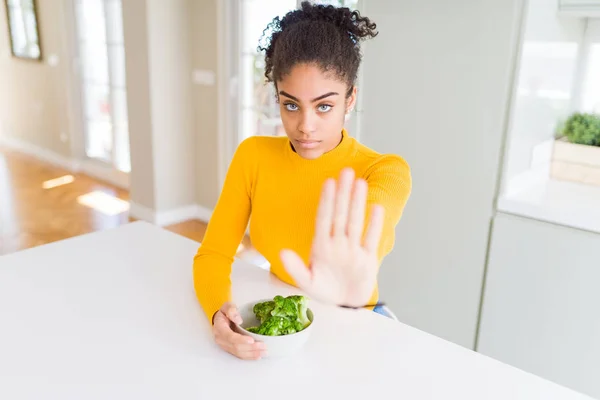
x=284, y=307
x=302, y=306
x=263, y=310
x=276, y=326
x=281, y=316
x=298, y=326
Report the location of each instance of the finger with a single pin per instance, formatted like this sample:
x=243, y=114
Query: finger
x=235, y=338
x=374, y=229
x=234, y=341
x=295, y=266
x=240, y=344
x=342, y=201
x=325, y=211
x=231, y=312
x=223, y=330
x=356, y=221
x=253, y=353
x=250, y=355
x=256, y=347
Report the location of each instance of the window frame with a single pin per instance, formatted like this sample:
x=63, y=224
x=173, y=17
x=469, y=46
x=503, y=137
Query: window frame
x=29, y=41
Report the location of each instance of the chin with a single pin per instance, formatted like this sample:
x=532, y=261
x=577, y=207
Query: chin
x=309, y=154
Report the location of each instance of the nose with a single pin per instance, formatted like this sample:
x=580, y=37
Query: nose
x=308, y=122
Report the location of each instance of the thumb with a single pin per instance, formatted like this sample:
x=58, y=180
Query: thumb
x=231, y=312
x=295, y=266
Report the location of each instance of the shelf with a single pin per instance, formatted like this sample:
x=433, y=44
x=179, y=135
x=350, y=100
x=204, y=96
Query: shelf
x=579, y=8
x=563, y=203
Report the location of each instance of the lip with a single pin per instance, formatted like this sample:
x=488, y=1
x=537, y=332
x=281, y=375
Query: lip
x=308, y=144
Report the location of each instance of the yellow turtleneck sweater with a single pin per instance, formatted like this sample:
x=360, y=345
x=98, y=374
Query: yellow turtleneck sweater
x=280, y=190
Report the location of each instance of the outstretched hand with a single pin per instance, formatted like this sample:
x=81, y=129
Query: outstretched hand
x=343, y=263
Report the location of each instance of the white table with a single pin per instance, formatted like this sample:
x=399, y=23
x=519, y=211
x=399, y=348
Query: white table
x=113, y=315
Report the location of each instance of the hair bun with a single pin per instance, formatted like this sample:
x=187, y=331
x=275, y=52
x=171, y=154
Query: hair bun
x=348, y=20
x=316, y=33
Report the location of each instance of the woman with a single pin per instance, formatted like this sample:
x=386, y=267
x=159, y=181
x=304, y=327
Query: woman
x=316, y=173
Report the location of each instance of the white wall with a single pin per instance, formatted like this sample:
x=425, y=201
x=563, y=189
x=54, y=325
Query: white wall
x=34, y=94
x=546, y=86
x=436, y=85
x=541, y=302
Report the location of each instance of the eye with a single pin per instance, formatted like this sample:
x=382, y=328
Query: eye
x=324, y=107
x=291, y=106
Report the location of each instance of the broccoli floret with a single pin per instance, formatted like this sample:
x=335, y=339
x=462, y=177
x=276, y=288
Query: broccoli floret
x=298, y=326
x=263, y=310
x=253, y=329
x=302, y=306
x=276, y=326
x=285, y=307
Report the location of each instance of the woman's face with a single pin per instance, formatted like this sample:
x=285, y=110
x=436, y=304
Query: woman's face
x=313, y=105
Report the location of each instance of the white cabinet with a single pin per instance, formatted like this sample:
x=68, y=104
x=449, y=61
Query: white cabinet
x=579, y=8
x=541, y=309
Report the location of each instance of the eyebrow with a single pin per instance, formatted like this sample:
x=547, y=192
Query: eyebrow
x=313, y=100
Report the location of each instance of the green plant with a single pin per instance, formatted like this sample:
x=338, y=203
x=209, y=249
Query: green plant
x=582, y=128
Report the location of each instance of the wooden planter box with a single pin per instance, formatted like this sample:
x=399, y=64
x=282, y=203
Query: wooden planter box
x=575, y=163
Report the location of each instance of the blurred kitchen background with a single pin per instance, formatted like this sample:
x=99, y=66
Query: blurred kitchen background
x=121, y=110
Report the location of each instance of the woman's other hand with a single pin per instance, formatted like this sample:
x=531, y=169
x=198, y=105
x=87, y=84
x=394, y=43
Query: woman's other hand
x=241, y=346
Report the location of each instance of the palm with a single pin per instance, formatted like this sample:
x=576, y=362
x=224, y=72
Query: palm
x=343, y=262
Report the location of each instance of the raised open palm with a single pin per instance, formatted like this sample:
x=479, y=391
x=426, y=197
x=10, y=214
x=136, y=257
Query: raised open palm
x=343, y=263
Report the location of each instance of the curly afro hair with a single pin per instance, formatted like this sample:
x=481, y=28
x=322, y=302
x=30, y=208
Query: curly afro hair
x=323, y=35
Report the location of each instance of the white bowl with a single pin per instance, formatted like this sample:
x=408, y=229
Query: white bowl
x=277, y=346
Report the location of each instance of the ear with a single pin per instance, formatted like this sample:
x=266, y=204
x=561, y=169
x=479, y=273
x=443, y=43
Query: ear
x=276, y=92
x=351, y=101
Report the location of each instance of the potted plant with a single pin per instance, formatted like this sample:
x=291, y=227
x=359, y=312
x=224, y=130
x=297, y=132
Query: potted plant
x=576, y=153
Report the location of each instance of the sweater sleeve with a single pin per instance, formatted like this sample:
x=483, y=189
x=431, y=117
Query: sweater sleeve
x=390, y=184
x=213, y=260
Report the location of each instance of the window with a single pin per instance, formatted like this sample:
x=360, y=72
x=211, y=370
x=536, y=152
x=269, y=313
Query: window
x=590, y=94
x=23, y=29
x=546, y=176
x=558, y=74
x=102, y=57
x=352, y=4
x=260, y=111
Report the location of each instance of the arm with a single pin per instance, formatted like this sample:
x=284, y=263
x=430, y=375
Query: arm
x=390, y=185
x=212, y=262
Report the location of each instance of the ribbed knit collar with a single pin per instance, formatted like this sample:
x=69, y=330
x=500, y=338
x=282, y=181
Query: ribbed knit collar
x=338, y=154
